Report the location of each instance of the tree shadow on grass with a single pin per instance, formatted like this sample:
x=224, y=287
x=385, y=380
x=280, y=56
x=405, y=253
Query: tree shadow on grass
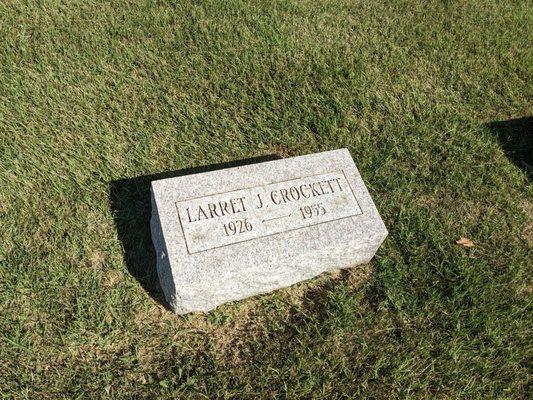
x=131, y=206
x=516, y=138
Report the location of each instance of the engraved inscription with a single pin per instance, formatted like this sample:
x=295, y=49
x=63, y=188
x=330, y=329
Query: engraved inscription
x=222, y=219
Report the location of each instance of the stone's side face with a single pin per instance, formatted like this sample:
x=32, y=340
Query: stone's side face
x=233, y=233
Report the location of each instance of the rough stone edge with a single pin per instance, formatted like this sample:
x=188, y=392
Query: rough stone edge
x=164, y=269
x=185, y=308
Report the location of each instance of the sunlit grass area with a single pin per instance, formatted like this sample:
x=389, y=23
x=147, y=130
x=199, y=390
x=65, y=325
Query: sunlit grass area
x=433, y=100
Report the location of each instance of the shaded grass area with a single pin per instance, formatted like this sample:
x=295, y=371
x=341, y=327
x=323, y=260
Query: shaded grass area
x=95, y=93
x=516, y=138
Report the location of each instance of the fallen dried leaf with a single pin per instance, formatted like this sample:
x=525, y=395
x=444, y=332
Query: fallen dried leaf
x=465, y=242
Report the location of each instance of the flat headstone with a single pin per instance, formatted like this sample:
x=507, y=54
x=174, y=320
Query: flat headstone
x=233, y=233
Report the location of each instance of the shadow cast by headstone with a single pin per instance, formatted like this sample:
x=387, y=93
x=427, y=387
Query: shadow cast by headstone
x=516, y=139
x=131, y=206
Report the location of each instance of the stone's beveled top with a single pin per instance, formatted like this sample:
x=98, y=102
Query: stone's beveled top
x=239, y=231
x=231, y=217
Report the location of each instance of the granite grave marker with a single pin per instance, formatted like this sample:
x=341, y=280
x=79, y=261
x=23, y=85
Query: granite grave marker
x=233, y=233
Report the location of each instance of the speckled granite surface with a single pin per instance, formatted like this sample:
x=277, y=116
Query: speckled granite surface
x=230, y=234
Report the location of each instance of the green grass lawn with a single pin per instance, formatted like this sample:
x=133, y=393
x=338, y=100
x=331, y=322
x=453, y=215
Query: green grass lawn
x=97, y=95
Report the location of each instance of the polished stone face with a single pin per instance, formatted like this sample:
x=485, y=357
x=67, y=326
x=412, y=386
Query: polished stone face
x=230, y=234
